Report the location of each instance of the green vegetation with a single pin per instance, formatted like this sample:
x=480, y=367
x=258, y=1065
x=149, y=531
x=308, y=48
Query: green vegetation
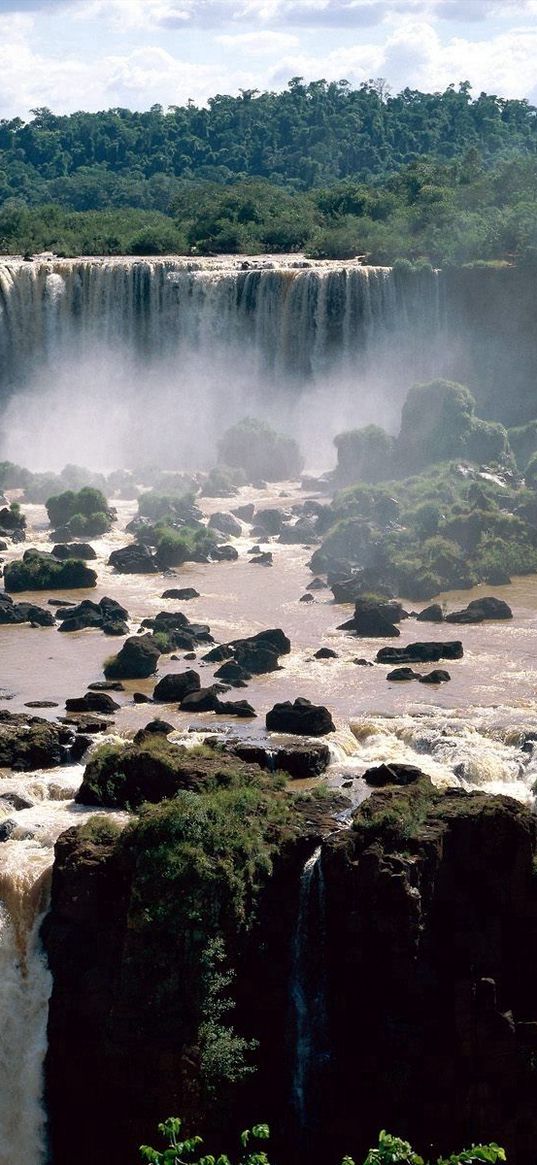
x=390, y=1150
x=321, y=167
x=83, y=513
x=251, y=445
x=40, y=572
x=449, y=527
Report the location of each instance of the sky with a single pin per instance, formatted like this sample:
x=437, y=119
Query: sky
x=100, y=54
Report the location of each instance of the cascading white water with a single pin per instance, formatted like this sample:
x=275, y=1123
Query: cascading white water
x=25, y=983
x=202, y=343
x=308, y=988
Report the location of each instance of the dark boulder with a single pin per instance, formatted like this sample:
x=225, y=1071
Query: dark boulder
x=480, y=609
x=302, y=718
x=431, y=614
x=299, y=761
x=232, y=673
x=219, y=653
x=107, y=615
x=156, y=727
x=240, y=708
x=182, y=594
x=225, y=524
x=438, y=676
x=260, y=653
x=394, y=773
x=302, y=533
x=317, y=584
x=263, y=559
x=421, y=652
x=223, y=554
x=137, y=659
x=370, y=623
x=38, y=571
x=13, y=613
x=107, y=686
x=174, y=687
x=202, y=700
x=245, y=513
x=133, y=559
x=270, y=521
x=403, y=673
x=307, y=598
x=83, y=550
x=91, y=702
x=325, y=653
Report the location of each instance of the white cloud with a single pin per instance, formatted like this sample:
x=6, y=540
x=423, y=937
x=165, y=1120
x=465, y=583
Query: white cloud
x=258, y=42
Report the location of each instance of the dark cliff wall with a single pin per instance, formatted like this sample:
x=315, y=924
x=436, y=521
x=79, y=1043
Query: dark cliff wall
x=491, y=339
x=429, y=949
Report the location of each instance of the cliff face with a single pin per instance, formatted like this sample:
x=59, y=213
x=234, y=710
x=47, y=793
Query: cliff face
x=428, y=945
x=432, y=908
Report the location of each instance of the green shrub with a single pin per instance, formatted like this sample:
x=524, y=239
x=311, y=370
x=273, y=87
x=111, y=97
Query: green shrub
x=261, y=452
x=83, y=513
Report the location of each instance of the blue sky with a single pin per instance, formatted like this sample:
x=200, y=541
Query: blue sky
x=96, y=54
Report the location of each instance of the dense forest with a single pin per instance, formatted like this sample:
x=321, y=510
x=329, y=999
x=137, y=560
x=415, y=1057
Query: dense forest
x=319, y=167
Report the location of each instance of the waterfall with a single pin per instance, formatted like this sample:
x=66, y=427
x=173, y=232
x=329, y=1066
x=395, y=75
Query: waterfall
x=26, y=860
x=84, y=336
x=25, y=986
x=308, y=991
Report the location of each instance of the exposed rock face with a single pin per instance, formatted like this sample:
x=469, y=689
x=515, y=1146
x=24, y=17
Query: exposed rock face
x=133, y=559
x=107, y=614
x=83, y=550
x=432, y=909
x=299, y=761
x=137, y=659
x=91, y=702
x=431, y=614
x=480, y=609
x=302, y=717
x=176, y=686
x=428, y=949
x=421, y=652
x=11, y=612
x=29, y=742
x=225, y=524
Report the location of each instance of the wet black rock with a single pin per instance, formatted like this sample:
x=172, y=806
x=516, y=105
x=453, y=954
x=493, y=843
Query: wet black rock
x=13, y=613
x=270, y=520
x=394, y=773
x=263, y=559
x=41, y=704
x=137, y=659
x=225, y=524
x=403, y=673
x=260, y=653
x=232, y=673
x=300, y=761
x=218, y=654
x=223, y=554
x=421, y=652
x=307, y=598
x=107, y=615
x=107, y=686
x=480, y=609
x=133, y=559
x=325, y=653
x=317, y=584
x=156, y=727
x=375, y=618
x=202, y=700
x=438, y=676
x=363, y=662
x=83, y=550
x=302, y=533
x=302, y=718
x=141, y=698
x=91, y=702
x=182, y=594
x=245, y=513
x=7, y=826
x=431, y=614
x=174, y=687
x=240, y=708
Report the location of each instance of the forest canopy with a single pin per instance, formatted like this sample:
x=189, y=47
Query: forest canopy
x=320, y=167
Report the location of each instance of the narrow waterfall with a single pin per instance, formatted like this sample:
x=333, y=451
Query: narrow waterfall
x=308, y=992
x=25, y=986
x=26, y=859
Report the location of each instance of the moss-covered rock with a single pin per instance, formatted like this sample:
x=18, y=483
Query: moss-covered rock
x=38, y=571
x=260, y=451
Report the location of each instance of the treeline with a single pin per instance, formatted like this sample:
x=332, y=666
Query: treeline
x=454, y=212
x=306, y=136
